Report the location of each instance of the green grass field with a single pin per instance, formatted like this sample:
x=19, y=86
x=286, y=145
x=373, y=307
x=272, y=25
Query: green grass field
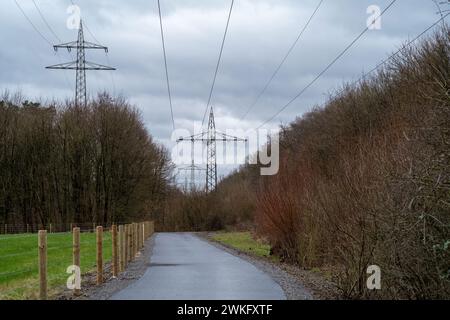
x=19, y=262
x=244, y=241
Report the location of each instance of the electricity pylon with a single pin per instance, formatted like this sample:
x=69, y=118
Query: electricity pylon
x=80, y=65
x=191, y=168
x=212, y=136
x=211, y=163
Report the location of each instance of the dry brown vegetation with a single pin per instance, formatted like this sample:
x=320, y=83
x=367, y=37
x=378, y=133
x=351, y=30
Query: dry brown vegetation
x=63, y=164
x=232, y=205
x=363, y=180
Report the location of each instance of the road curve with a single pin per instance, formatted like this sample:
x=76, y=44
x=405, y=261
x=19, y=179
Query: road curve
x=183, y=266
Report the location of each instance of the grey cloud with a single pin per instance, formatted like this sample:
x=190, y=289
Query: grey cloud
x=260, y=33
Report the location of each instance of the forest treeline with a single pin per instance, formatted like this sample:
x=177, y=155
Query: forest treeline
x=63, y=164
x=364, y=180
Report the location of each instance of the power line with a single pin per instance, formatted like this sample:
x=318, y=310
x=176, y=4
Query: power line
x=111, y=74
x=54, y=34
x=90, y=33
x=45, y=21
x=383, y=62
x=86, y=26
x=282, y=61
x=32, y=24
x=218, y=61
x=165, y=64
x=327, y=67
x=42, y=36
x=108, y=61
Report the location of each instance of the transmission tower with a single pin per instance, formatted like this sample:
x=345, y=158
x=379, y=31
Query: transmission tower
x=191, y=168
x=211, y=136
x=211, y=163
x=80, y=65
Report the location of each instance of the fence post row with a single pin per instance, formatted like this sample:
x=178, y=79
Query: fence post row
x=127, y=240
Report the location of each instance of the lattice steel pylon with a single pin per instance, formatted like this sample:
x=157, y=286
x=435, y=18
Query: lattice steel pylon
x=211, y=161
x=212, y=136
x=191, y=186
x=80, y=65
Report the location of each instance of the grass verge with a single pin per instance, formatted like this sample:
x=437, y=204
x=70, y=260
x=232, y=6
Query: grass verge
x=19, y=274
x=246, y=242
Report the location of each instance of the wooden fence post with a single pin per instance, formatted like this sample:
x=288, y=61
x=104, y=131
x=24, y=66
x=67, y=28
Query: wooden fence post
x=132, y=239
x=6, y=228
x=139, y=226
x=115, y=255
x=130, y=244
x=76, y=254
x=99, y=255
x=127, y=245
x=50, y=229
x=145, y=231
x=136, y=238
x=121, y=249
x=42, y=249
x=143, y=234
x=125, y=231
x=136, y=228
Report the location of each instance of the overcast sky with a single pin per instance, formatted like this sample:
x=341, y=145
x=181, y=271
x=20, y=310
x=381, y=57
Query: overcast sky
x=260, y=33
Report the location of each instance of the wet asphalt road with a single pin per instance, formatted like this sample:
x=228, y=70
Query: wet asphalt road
x=184, y=266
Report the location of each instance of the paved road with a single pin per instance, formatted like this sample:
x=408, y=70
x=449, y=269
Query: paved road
x=184, y=266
